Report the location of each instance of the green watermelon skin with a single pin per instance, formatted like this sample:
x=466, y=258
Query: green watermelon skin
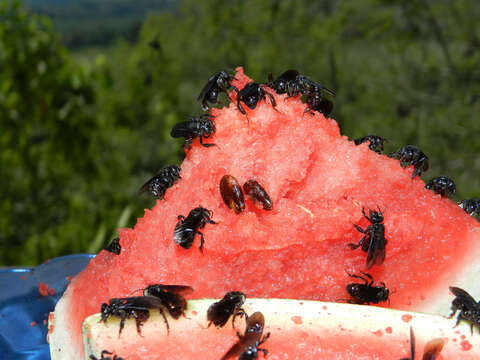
x=318, y=181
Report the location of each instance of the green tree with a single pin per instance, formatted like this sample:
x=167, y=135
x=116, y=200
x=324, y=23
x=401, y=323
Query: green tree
x=61, y=188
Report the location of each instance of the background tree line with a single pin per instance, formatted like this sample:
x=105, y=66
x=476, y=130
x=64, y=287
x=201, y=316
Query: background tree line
x=78, y=139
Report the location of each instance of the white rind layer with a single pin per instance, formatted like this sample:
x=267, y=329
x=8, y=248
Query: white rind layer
x=336, y=321
x=61, y=338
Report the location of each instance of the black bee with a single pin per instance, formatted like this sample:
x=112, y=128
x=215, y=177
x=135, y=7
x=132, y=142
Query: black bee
x=114, y=246
x=251, y=94
x=471, y=206
x=442, y=185
x=258, y=193
x=306, y=86
x=313, y=93
x=285, y=83
x=219, y=312
x=376, y=142
x=217, y=83
x=366, y=293
x=137, y=307
x=232, y=193
x=247, y=347
x=373, y=242
x=431, y=351
x=316, y=102
x=165, y=178
x=187, y=228
x=411, y=155
x=201, y=127
x=103, y=357
x=171, y=296
x=468, y=307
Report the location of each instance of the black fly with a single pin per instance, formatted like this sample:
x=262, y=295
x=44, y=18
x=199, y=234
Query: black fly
x=373, y=242
x=114, y=246
x=187, y=228
x=471, y=206
x=137, y=307
x=412, y=155
x=468, y=307
x=103, y=357
x=171, y=296
x=258, y=193
x=217, y=83
x=442, y=185
x=198, y=126
x=165, y=178
x=251, y=94
x=366, y=293
x=219, y=312
x=247, y=347
x=232, y=193
x=375, y=142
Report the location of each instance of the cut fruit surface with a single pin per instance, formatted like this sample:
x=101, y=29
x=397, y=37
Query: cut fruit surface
x=318, y=181
x=298, y=330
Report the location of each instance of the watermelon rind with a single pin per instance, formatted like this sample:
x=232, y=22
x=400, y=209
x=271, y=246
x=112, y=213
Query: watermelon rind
x=299, y=329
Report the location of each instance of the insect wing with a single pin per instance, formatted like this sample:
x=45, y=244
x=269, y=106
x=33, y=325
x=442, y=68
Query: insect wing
x=142, y=303
x=376, y=251
x=208, y=86
x=178, y=289
x=466, y=299
x=181, y=130
x=183, y=235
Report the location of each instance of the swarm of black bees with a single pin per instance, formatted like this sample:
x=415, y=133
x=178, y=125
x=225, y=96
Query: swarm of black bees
x=170, y=298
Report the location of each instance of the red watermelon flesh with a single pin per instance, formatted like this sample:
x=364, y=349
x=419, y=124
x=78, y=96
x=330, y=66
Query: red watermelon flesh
x=318, y=181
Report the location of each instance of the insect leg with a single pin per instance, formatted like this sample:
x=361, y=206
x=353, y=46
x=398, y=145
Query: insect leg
x=165, y=320
x=202, y=240
x=239, y=312
x=266, y=336
x=181, y=218
x=358, y=277
x=272, y=99
x=370, y=277
x=205, y=145
x=365, y=215
x=240, y=107
x=359, y=228
x=122, y=323
x=140, y=318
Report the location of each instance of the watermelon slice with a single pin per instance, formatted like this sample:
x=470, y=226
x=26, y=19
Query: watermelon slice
x=318, y=182
x=302, y=329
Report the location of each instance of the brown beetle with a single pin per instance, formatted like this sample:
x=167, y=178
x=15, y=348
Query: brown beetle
x=258, y=193
x=232, y=193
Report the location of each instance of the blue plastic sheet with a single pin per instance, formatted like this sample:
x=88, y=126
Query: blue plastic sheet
x=24, y=311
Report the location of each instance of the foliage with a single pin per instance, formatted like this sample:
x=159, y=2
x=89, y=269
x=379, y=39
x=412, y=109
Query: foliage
x=78, y=144
x=86, y=23
x=58, y=187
